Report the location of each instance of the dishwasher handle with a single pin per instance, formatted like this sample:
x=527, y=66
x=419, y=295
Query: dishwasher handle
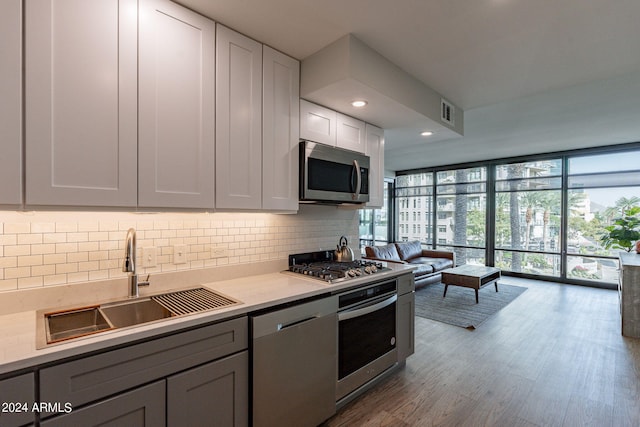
x=284, y=319
x=282, y=326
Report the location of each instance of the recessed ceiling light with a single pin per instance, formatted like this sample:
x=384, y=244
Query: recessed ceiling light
x=427, y=133
x=359, y=103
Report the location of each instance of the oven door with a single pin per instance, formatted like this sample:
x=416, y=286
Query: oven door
x=366, y=342
x=333, y=175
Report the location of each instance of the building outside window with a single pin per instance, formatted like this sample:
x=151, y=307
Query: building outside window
x=414, y=196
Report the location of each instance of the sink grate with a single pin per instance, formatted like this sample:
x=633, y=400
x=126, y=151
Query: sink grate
x=193, y=301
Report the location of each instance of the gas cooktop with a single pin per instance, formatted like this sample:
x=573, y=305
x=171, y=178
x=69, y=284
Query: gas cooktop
x=321, y=265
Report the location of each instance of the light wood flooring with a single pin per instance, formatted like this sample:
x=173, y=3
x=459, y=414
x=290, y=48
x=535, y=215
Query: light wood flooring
x=553, y=357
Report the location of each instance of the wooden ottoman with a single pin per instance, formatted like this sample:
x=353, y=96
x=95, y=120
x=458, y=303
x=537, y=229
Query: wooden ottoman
x=470, y=276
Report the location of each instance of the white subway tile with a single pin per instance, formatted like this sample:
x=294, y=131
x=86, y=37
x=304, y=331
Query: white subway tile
x=8, y=284
x=17, y=227
x=43, y=227
x=30, y=282
x=8, y=239
x=29, y=260
x=55, y=279
x=66, y=227
x=18, y=250
x=16, y=273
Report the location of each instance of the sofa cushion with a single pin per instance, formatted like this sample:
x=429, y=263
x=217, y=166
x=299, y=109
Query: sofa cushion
x=422, y=267
x=382, y=252
x=438, y=264
x=408, y=250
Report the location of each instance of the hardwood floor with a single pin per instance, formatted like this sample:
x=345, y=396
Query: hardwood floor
x=553, y=357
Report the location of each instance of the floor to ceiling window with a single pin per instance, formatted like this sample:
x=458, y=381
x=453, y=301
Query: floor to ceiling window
x=600, y=187
x=528, y=201
x=538, y=216
x=461, y=200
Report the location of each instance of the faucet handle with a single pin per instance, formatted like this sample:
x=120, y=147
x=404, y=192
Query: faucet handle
x=145, y=282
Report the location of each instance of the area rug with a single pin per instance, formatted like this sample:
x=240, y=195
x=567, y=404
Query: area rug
x=459, y=307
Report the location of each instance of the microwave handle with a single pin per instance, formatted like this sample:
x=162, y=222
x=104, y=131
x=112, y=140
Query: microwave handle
x=356, y=168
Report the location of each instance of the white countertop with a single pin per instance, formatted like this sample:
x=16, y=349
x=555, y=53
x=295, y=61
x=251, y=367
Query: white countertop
x=18, y=330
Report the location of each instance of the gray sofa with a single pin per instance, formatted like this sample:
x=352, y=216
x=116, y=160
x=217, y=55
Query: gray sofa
x=430, y=262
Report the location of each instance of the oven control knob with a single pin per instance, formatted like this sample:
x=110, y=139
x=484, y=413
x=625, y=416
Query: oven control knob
x=358, y=272
x=368, y=270
x=373, y=268
x=351, y=273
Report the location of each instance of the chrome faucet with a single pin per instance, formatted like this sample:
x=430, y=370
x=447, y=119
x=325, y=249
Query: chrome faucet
x=129, y=264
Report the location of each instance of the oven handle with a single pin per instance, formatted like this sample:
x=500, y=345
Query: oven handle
x=350, y=314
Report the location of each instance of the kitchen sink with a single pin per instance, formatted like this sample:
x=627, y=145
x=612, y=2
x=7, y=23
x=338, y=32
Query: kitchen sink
x=130, y=313
x=62, y=325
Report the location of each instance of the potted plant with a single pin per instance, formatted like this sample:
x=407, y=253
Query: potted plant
x=624, y=232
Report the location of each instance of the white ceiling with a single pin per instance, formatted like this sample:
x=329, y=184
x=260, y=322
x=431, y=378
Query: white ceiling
x=533, y=76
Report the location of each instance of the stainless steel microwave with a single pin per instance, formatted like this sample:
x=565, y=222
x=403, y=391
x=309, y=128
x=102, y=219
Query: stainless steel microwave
x=332, y=175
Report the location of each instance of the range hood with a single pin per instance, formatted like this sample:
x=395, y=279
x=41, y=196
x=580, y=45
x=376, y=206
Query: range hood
x=348, y=69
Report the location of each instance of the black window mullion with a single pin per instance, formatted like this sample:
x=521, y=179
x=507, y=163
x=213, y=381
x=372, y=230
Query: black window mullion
x=490, y=230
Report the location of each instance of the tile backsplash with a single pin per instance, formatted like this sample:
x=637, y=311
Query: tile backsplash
x=39, y=249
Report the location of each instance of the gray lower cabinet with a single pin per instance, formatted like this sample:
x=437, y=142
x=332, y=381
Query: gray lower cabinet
x=17, y=395
x=201, y=369
x=142, y=407
x=405, y=317
x=215, y=394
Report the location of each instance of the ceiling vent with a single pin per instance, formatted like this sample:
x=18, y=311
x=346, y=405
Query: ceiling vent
x=447, y=112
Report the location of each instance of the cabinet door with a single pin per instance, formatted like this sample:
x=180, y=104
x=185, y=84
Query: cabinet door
x=238, y=121
x=81, y=102
x=375, y=150
x=214, y=394
x=406, y=325
x=318, y=124
x=176, y=107
x=280, y=131
x=95, y=377
x=350, y=133
x=142, y=407
x=11, y=102
x=18, y=390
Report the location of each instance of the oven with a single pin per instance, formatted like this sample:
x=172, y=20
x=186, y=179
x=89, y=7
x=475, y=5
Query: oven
x=366, y=335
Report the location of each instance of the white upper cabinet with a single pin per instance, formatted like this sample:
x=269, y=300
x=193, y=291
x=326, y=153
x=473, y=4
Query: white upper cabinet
x=11, y=102
x=238, y=121
x=280, y=130
x=375, y=151
x=318, y=124
x=323, y=125
x=176, y=107
x=81, y=102
x=350, y=134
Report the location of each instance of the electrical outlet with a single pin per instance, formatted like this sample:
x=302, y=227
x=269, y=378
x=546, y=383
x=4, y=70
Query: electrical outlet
x=149, y=256
x=219, y=252
x=180, y=254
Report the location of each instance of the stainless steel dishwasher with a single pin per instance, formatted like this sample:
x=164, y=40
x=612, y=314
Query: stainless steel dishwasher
x=294, y=364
